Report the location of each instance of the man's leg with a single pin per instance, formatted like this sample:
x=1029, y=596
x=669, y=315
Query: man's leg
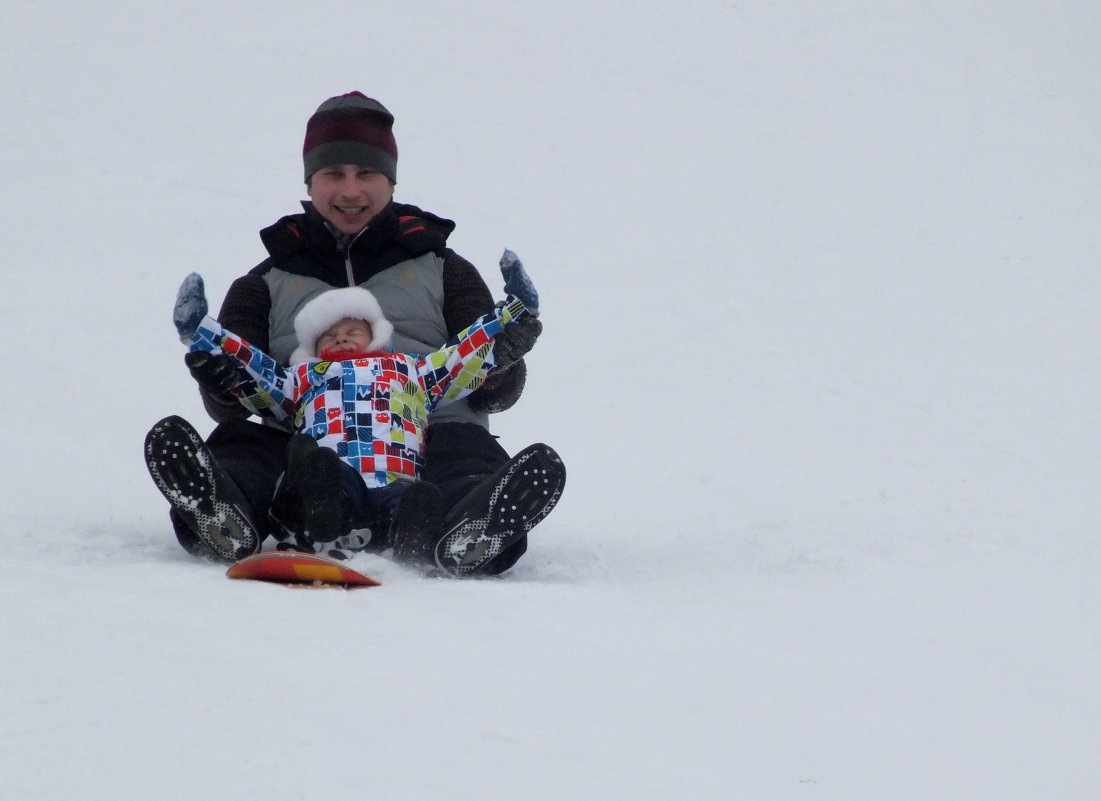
x=477, y=478
x=457, y=458
x=253, y=456
x=219, y=490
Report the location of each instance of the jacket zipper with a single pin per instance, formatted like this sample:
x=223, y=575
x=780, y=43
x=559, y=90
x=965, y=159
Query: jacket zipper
x=348, y=258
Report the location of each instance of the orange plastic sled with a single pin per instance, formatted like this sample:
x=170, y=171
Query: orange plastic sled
x=300, y=570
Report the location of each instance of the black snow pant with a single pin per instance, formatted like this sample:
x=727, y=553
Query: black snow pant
x=457, y=457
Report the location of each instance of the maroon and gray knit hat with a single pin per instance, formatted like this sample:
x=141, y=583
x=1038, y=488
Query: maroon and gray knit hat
x=351, y=129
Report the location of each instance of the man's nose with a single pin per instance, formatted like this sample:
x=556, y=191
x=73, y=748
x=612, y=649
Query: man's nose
x=348, y=186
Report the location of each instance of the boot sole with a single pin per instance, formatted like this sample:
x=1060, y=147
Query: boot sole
x=525, y=492
x=184, y=472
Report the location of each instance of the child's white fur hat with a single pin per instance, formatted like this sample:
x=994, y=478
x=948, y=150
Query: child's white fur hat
x=332, y=306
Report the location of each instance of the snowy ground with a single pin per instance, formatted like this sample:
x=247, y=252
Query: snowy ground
x=820, y=285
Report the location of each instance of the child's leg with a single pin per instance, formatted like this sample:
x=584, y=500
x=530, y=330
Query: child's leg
x=369, y=524
x=310, y=506
x=418, y=523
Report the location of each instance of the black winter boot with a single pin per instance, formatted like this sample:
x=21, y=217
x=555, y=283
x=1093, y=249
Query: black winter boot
x=205, y=501
x=309, y=504
x=417, y=524
x=501, y=510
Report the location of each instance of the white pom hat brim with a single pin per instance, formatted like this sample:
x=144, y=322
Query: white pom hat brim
x=330, y=307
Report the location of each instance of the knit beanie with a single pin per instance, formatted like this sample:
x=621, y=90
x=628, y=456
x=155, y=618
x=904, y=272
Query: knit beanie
x=351, y=129
x=329, y=308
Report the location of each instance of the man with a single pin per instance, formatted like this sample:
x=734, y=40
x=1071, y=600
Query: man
x=353, y=233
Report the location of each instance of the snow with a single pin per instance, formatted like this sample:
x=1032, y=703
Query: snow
x=819, y=287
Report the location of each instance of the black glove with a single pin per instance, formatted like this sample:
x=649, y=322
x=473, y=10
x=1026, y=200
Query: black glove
x=215, y=373
x=515, y=340
x=501, y=389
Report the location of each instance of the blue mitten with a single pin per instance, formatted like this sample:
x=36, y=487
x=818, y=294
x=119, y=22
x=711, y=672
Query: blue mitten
x=517, y=282
x=191, y=306
x=518, y=337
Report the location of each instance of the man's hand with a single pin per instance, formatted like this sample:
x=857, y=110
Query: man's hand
x=515, y=340
x=216, y=373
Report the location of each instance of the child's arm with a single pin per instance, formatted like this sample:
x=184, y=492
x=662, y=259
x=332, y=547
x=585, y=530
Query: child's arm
x=498, y=339
x=265, y=387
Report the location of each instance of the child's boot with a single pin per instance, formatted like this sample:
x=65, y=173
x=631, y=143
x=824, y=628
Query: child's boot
x=310, y=506
x=417, y=523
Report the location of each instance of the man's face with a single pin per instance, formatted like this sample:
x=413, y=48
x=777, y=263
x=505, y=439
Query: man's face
x=349, y=196
x=346, y=336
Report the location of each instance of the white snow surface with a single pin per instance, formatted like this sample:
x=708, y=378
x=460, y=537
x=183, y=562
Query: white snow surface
x=820, y=291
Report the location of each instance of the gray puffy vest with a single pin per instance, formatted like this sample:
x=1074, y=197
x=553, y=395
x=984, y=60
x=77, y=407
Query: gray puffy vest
x=411, y=296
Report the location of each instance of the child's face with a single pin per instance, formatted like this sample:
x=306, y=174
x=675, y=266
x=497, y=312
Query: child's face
x=351, y=336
